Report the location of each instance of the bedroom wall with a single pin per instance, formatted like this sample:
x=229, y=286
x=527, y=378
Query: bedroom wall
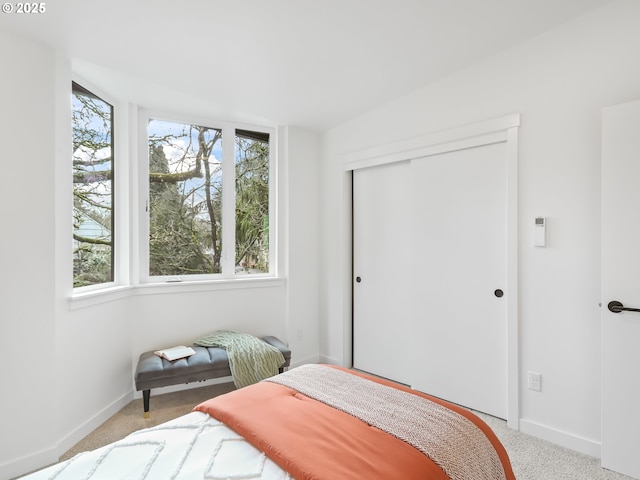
x=558, y=82
x=27, y=374
x=71, y=364
x=303, y=264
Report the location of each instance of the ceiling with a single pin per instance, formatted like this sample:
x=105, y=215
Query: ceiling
x=288, y=62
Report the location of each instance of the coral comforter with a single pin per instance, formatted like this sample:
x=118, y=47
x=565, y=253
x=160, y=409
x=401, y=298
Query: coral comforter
x=321, y=422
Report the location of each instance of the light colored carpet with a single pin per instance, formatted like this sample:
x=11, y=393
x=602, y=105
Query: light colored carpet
x=535, y=459
x=532, y=459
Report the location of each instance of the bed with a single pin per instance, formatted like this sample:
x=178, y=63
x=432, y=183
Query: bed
x=312, y=422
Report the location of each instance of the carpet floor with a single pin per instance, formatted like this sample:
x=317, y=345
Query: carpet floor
x=532, y=458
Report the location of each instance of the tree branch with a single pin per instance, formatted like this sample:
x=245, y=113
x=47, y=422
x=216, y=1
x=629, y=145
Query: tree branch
x=104, y=175
x=94, y=241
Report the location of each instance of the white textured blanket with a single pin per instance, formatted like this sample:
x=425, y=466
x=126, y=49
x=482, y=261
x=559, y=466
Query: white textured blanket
x=452, y=441
x=194, y=446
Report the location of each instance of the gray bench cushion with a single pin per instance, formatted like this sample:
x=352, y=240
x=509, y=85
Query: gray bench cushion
x=153, y=371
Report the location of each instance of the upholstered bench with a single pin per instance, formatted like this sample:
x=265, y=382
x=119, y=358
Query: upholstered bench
x=207, y=363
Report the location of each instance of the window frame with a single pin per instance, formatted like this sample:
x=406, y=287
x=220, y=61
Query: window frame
x=120, y=167
x=227, y=263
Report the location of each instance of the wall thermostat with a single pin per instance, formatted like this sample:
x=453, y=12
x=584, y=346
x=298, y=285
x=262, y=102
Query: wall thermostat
x=539, y=232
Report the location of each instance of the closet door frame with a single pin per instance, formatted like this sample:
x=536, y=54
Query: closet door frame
x=498, y=130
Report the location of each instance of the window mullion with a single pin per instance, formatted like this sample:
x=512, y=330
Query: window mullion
x=228, y=202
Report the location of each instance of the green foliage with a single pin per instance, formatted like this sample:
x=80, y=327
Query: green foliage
x=92, y=189
x=252, y=204
x=91, y=266
x=184, y=201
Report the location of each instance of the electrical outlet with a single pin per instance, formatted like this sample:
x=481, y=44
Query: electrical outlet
x=535, y=381
x=299, y=334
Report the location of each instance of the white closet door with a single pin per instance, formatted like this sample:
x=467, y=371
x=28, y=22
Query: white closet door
x=430, y=253
x=382, y=270
x=459, y=275
x=621, y=283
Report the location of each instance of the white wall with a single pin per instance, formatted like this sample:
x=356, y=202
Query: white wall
x=27, y=342
x=559, y=83
x=68, y=366
x=303, y=262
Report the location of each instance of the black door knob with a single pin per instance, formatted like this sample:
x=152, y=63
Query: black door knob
x=358, y=279
x=498, y=293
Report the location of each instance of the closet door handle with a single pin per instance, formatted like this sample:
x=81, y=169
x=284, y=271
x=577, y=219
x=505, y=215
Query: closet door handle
x=617, y=307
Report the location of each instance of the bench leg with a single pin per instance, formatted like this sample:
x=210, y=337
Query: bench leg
x=146, y=394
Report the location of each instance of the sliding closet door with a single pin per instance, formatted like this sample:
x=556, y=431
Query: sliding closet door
x=383, y=266
x=435, y=264
x=459, y=258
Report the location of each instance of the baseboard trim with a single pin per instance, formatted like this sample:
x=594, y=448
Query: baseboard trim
x=314, y=359
x=49, y=456
x=328, y=360
x=29, y=463
x=92, y=423
x=559, y=437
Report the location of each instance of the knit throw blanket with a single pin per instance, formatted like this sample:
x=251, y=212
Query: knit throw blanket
x=250, y=359
x=452, y=441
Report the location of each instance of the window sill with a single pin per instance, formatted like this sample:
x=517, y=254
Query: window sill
x=95, y=297
x=207, y=285
x=113, y=293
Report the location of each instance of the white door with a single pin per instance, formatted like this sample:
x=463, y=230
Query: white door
x=621, y=283
x=382, y=259
x=430, y=252
x=460, y=273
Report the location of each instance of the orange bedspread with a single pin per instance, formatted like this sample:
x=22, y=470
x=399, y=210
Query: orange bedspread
x=313, y=441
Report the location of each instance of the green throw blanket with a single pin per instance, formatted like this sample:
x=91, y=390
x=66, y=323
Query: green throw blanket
x=250, y=359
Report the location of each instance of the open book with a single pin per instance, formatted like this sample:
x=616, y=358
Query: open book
x=174, y=353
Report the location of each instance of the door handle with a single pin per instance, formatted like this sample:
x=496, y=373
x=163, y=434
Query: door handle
x=617, y=307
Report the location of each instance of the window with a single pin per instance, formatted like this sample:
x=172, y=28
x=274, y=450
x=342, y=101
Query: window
x=252, y=201
x=197, y=227
x=93, y=167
